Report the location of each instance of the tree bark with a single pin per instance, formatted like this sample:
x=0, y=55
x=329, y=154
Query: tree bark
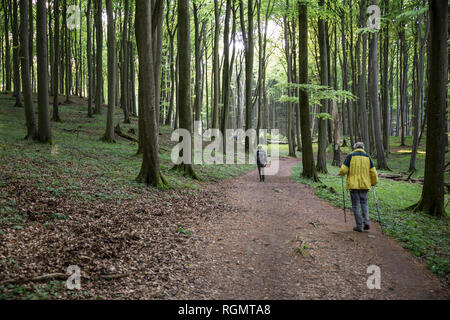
x=25, y=68
x=374, y=101
x=109, y=133
x=15, y=30
x=99, y=57
x=89, y=58
x=323, y=139
x=124, y=64
x=42, y=71
x=432, y=200
x=150, y=169
x=184, y=73
x=6, y=6
x=309, y=170
x=55, y=74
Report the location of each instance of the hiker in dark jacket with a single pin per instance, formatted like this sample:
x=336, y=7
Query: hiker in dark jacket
x=361, y=176
x=261, y=161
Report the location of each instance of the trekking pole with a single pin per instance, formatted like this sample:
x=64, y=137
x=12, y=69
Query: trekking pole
x=378, y=210
x=343, y=199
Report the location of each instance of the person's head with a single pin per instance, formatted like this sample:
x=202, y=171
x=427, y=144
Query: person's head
x=358, y=145
x=260, y=146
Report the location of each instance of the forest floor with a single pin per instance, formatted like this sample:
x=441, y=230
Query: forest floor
x=280, y=241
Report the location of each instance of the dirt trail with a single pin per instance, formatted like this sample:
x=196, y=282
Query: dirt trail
x=249, y=252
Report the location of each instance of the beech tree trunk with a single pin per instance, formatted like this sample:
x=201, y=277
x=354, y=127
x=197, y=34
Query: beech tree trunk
x=309, y=170
x=99, y=57
x=150, y=169
x=109, y=133
x=432, y=200
x=15, y=30
x=323, y=139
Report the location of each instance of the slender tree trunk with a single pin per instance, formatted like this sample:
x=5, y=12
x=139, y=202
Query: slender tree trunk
x=124, y=64
x=215, y=106
x=6, y=6
x=309, y=170
x=364, y=120
x=99, y=56
x=419, y=95
x=150, y=169
x=323, y=140
x=15, y=29
x=109, y=133
x=226, y=73
x=89, y=58
x=249, y=51
x=374, y=101
x=184, y=73
x=56, y=59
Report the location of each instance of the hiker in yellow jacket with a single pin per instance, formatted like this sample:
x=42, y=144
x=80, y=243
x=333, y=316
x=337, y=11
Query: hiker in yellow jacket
x=361, y=176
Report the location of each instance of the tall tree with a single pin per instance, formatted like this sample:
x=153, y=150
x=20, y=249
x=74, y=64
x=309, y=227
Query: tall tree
x=6, y=5
x=150, y=169
x=363, y=121
x=90, y=76
x=323, y=140
x=374, y=100
x=124, y=70
x=249, y=49
x=215, y=106
x=184, y=74
x=15, y=30
x=226, y=72
x=309, y=170
x=56, y=60
x=432, y=200
x=109, y=133
x=199, y=29
x=417, y=107
x=99, y=56
x=42, y=71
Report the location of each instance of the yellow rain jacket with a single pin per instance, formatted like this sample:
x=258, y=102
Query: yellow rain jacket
x=360, y=170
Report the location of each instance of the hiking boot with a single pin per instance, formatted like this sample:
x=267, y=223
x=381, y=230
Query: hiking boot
x=357, y=229
x=366, y=227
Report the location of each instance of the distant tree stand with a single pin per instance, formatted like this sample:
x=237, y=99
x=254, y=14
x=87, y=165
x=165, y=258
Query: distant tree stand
x=432, y=199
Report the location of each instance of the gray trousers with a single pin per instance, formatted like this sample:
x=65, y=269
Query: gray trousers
x=360, y=204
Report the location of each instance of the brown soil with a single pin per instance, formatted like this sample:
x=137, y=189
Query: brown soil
x=249, y=251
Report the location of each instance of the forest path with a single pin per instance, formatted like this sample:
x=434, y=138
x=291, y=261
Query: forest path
x=249, y=252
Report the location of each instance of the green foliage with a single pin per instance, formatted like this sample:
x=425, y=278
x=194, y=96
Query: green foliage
x=317, y=93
